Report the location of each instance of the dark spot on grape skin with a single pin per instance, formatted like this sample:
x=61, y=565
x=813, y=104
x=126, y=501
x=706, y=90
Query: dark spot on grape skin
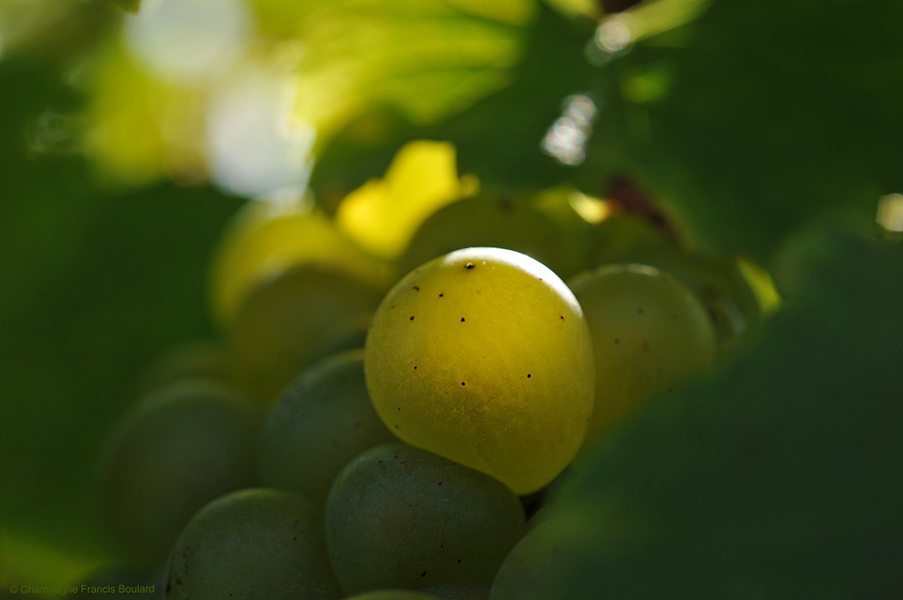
x=441, y=295
x=617, y=341
x=294, y=538
x=415, y=367
x=412, y=317
x=416, y=288
x=423, y=574
x=529, y=375
x=561, y=317
x=440, y=483
x=459, y=561
x=397, y=427
x=469, y=266
x=462, y=319
x=399, y=408
x=639, y=311
x=462, y=383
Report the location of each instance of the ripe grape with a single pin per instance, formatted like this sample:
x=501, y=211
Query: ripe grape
x=718, y=283
x=255, y=543
x=402, y=517
x=180, y=447
x=648, y=331
x=322, y=421
x=499, y=221
x=483, y=356
x=265, y=239
x=284, y=320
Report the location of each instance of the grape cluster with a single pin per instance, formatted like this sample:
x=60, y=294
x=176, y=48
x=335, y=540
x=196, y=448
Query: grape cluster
x=360, y=434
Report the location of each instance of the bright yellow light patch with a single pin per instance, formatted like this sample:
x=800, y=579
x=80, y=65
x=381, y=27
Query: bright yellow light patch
x=761, y=284
x=383, y=215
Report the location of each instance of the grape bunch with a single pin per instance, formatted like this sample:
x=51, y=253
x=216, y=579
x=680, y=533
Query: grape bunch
x=392, y=427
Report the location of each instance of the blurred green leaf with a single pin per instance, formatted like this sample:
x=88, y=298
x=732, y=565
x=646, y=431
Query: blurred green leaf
x=758, y=116
x=778, y=476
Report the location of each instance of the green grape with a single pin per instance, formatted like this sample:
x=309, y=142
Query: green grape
x=176, y=450
x=256, y=543
x=322, y=421
x=718, y=283
x=198, y=359
x=483, y=356
x=391, y=595
x=498, y=221
x=459, y=591
x=648, y=332
x=402, y=517
x=278, y=329
x=536, y=567
x=264, y=238
x=350, y=334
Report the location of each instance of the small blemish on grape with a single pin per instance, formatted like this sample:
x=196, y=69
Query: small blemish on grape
x=415, y=367
x=399, y=408
x=423, y=574
x=441, y=295
x=468, y=265
x=462, y=383
x=639, y=311
x=617, y=341
x=529, y=375
x=440, y=483
x=416, y=288
x=462, y=319
x=459, y=561
x=412, y=317
x=561, y=317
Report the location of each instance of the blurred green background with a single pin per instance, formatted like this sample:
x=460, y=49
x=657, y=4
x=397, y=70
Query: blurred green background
x=128, y=140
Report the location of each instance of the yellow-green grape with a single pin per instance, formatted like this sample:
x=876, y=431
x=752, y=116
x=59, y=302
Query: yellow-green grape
x=285, y=320
x=500, y=221
x=483, y=356
x=176, y=450
x=322, y=421
x=648, y=332
x=264, y=239
x=402, y=517
x=255, y=543
x=718, y=283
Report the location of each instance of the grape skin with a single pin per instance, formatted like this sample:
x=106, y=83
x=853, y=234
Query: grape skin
x=402, y=517
x=483, y=356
